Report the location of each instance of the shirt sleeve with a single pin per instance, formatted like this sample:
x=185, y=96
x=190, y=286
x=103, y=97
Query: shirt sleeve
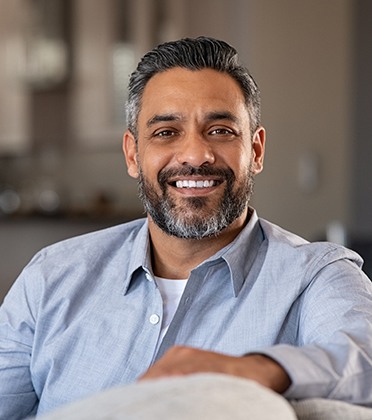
x=333, y=358
x=17, y=396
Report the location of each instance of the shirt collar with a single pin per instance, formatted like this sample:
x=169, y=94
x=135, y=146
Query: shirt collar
x=140, y=255
x=236, y=256
x=242, y=253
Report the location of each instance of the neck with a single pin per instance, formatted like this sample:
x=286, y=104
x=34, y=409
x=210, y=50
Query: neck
x=174, y=258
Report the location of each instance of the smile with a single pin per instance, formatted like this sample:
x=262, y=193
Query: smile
x=190, y=183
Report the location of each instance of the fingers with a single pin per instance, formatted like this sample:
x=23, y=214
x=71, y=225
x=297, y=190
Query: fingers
x=179, y=361
x=187, y=360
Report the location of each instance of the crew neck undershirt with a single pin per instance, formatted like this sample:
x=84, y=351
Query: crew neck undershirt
x=171, y=291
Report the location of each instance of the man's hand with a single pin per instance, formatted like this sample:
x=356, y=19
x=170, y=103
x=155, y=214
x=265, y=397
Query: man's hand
x=180, y=361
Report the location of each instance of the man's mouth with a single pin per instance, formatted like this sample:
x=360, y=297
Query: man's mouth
x=192, y=183
x=203, y=179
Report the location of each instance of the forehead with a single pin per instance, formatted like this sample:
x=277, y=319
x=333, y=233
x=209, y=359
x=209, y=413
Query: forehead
x=192, y=91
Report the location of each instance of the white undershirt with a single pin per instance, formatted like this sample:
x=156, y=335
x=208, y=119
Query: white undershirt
x=171, y=291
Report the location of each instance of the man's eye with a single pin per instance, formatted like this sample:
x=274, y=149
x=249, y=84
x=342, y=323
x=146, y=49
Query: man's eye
x=221, y=132
x=165, y=133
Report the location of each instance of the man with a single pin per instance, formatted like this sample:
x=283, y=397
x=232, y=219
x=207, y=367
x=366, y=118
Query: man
x=202, y=284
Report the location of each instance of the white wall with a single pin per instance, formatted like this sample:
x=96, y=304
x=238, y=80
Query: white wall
x=14, y=118
x=302, y=55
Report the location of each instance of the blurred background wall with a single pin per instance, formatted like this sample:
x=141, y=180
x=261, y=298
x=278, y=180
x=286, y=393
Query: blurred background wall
x=64, y=66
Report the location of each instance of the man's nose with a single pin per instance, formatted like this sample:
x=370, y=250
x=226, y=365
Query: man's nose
x=195, y=150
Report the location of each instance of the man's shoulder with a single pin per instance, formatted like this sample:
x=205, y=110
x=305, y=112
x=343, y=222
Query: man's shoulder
x=287, y=244
x=103, y=240
x=277, y=234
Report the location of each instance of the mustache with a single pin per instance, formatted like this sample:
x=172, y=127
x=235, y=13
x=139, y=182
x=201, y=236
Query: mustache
x=189, y=170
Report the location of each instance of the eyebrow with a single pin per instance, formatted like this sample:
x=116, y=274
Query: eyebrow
x=210, y=116
x=221, y=115
x=163, y=118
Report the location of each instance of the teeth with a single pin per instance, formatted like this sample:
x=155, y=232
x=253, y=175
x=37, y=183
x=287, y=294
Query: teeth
x=194, y=184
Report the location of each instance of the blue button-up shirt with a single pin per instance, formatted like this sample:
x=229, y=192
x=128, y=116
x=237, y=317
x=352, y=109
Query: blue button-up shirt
x=85, y=315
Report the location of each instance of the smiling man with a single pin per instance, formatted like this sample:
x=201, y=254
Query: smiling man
x=202, y=284
x=195, y=155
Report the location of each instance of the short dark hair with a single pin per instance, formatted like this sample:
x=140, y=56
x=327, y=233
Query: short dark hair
x=192, y=54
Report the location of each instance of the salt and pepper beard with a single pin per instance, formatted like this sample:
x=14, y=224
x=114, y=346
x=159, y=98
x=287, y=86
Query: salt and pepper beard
x=188, y=221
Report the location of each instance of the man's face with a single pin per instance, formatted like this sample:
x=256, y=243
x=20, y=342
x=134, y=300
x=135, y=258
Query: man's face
x=195, y=159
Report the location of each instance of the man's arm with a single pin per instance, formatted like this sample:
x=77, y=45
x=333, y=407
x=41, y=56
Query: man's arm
x=331, y=356
x=180, y=361
x=17, y=395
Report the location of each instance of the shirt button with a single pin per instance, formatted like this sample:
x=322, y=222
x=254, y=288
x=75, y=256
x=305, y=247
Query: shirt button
x=154, y=319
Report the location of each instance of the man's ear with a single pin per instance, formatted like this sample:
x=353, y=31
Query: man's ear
x=258, y=149
x=130, y=153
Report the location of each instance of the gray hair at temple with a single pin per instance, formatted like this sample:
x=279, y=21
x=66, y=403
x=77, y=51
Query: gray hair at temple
x=192, y=54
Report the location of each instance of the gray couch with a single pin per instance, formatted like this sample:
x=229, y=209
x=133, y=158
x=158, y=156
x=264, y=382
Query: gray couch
x=204, y=397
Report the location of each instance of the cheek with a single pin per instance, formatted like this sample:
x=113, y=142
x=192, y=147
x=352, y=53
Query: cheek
x=239, y=162
x=152, y=162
